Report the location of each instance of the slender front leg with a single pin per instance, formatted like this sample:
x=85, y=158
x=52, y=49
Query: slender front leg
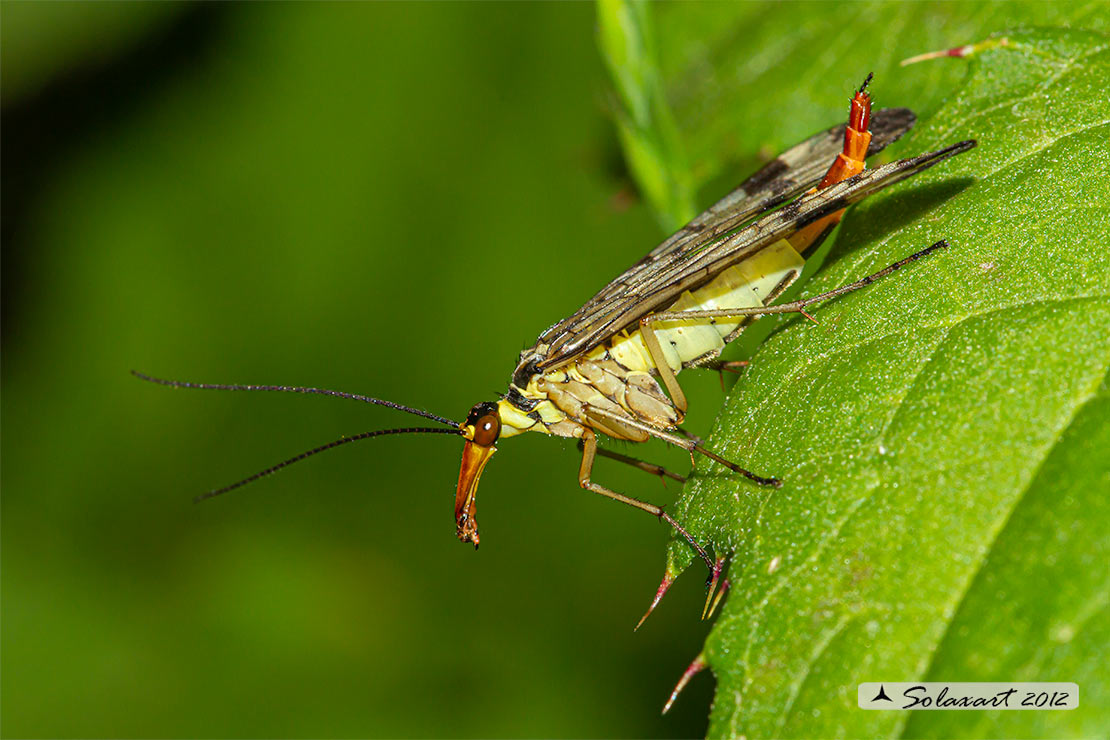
x=725, y=366
x=589, y=450
x=647, y=467
x=689, y=445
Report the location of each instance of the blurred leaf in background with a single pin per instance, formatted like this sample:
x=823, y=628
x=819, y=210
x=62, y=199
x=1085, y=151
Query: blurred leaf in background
x=937, y=432
x=388, y=199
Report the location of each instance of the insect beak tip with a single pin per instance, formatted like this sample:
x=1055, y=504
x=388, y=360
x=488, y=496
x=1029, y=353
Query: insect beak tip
x=475, y=457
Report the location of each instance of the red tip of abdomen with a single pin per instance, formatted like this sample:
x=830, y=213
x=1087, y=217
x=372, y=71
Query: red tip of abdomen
x=856, y=141
x=859, y=118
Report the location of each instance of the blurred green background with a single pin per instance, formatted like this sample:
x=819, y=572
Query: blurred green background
x=387, y=199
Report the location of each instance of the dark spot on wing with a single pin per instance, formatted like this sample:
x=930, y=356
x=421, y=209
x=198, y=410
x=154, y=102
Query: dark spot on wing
x=828, y=207
x=790, y=210
x=768, y=173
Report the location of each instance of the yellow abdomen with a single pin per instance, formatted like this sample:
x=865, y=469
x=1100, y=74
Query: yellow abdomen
x=743, y=285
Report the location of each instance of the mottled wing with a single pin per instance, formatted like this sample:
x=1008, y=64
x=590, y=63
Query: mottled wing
x=788, y=175
x=698, y=263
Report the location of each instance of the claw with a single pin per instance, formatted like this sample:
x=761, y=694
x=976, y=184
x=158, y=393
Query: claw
x=696, y=667
x=711, y=586
x=668, y=579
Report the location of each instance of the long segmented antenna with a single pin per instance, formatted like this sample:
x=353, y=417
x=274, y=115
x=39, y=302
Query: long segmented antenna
x=321, y=448
x=293, y=389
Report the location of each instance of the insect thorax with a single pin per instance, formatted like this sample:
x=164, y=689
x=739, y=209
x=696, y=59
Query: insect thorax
x=564, y=400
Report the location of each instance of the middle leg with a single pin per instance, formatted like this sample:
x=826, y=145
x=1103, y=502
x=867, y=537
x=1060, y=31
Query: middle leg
x=657, y=470
x=589, y=451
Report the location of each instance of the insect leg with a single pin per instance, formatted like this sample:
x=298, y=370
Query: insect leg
x=709, y=359
x=589, y=450
x=799, y=305
x=651, y=341
x=725, y=366
x=686, y=444
x=638, y=464
x=770, y=298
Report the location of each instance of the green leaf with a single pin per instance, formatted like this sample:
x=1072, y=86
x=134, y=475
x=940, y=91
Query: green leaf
x=1008, y=625
x=644, y=122
x=745, y=80
x=939, y=432
x=913, y=422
